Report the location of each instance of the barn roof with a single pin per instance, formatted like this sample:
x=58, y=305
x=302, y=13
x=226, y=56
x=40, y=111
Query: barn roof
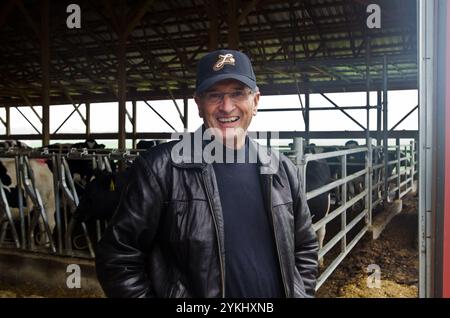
x=296, y=46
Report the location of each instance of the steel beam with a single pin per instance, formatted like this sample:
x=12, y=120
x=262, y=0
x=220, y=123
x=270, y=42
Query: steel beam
x=385, y=125
x=404, y=117
x=343, y=111
x=379, y=122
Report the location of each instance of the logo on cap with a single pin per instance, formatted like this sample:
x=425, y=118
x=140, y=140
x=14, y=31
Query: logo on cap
x=224, y=59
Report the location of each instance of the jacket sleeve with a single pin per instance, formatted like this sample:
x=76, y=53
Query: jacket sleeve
x=122, y=251
x=306, y=244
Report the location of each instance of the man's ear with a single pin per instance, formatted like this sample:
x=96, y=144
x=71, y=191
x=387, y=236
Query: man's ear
x=255, y=103
x=199, y=103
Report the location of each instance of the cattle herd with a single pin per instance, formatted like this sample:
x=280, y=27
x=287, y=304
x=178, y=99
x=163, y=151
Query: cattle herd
x=96, y=186
x=93, y=188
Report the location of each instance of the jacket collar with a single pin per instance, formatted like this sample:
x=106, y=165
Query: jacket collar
x=188, y=153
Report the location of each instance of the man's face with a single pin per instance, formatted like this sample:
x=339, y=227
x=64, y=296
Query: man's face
x=228, y=107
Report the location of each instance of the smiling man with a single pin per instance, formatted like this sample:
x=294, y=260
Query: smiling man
x=227, y=95
x=187, y=228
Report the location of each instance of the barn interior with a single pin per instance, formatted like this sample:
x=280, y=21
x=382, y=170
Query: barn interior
x=139, y=51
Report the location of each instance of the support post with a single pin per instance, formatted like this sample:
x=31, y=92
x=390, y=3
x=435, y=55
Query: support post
x=307, y=127
x=368, y=181
x=367, y=89
x=300, y=162
x=412, y=162
x=88, y=119
x=8, y=121
x=398, y=166
x=134, y=123
x=185, y=113
x=385, y=128
x=233, y=26
x=344, y=202
x=122, y=94
x=45, y=66
x=379, y=122
x=213, y=25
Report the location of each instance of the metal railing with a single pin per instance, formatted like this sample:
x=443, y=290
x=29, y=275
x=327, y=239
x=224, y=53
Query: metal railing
x=59, y=239
x=373, y=173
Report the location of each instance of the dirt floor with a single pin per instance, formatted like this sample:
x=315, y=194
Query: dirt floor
x=33, y=291
x=396, y=254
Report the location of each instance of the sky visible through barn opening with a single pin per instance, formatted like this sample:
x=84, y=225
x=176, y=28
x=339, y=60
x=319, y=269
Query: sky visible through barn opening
x=104, y=116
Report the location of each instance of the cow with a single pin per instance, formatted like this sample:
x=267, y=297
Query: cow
x=13, y=144
x=90, y=144
x=147, y=144
x=317, y=175
x=43, y=178
x=81, y=170
x=99, y=201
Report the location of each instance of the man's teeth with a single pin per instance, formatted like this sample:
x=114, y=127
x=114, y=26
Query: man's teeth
x=228, y=119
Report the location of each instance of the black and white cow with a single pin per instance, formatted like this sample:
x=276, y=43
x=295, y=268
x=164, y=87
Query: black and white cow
x=98, y=203
x=101, y=197
x=317, y=175
x=44, y=184
x=147, y=144
x=81, y=170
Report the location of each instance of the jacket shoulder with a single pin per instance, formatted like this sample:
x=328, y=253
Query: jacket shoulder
x=157, y=158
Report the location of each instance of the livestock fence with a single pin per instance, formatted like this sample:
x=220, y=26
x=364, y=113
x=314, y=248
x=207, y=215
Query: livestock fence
x=366, y=184
x=379, y=184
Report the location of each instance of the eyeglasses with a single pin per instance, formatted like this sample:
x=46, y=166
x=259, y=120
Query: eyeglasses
x=236, y=96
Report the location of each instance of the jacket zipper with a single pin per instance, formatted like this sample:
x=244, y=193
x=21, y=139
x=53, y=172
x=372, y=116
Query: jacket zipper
x=222, y=275
x=283, y=275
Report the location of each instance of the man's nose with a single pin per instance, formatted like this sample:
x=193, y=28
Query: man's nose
x=227, y=104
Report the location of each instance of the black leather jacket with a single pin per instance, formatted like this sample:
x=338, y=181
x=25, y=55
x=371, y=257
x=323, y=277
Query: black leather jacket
x=166, y=238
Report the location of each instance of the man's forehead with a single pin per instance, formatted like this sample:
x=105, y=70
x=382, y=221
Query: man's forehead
x=227, y=84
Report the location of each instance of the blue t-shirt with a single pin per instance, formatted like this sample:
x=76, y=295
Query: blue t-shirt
x=251, y=261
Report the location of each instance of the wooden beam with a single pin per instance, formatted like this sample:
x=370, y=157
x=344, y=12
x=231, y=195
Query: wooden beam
x=5, y=11
x=113, y=20
x=213, y=31
x=30, y=20
x=88, y=119
x=233, y=26
x=45, y=65
x=121, y=81
x=186, y=113
x=8, y=121
x=24, y=96
x=248, y=8
x=133, y=123
x=67, y=118
x=137, y=15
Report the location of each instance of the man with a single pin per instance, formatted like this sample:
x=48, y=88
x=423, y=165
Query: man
x=194, y=228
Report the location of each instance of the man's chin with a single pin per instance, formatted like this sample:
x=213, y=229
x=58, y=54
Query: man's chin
x=231, y=137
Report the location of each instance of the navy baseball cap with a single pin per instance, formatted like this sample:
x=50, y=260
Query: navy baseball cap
x=221, y=65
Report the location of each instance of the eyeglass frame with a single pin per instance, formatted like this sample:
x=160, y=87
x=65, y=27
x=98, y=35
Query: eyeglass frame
x=248, y=91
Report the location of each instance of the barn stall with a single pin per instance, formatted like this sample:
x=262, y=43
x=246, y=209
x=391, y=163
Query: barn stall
x=302, y=48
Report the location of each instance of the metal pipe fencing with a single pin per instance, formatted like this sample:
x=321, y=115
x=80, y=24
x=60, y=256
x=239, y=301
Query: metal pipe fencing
x=374, y=174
